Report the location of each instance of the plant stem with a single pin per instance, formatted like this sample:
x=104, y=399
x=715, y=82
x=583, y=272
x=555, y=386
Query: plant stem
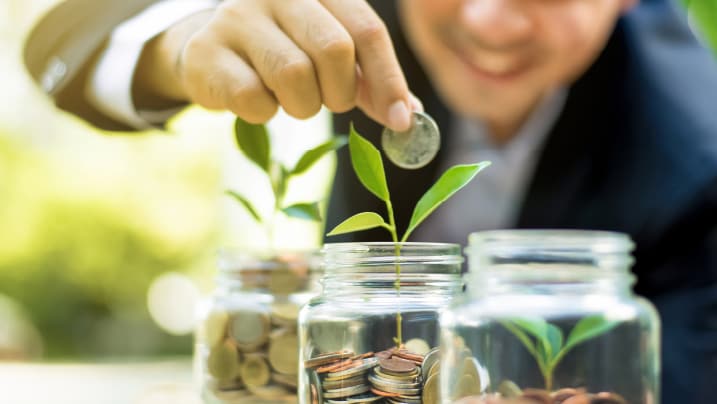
x=548, y=376
x=397, y=282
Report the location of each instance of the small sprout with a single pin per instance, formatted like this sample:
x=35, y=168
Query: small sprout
x=253, y=142
x=545, y=341
x=368, y=165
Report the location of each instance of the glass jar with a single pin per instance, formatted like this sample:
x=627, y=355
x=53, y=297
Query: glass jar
x=375, y=325
x=550, y=317
x=246, y=347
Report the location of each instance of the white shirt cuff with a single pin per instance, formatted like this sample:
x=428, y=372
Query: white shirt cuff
x=109, y=88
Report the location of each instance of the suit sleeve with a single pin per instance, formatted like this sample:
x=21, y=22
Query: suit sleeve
x=63, y=48
x=109, y=87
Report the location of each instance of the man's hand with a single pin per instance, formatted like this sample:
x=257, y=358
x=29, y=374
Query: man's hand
x=250, y=56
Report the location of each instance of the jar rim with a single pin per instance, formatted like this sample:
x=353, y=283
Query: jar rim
x=593, y=241
x=371, y=254
x=359, y=246
x=237, y=259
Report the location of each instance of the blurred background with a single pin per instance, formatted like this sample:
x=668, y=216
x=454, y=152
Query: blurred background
x=108, y=240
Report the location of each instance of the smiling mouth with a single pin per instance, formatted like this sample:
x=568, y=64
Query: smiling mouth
x=504, y=73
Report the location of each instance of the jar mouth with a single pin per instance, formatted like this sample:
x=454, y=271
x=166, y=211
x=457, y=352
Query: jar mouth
x=235, y=260
x=577, y=241
x=550, y=255
x=280, y=273
x=370, y=256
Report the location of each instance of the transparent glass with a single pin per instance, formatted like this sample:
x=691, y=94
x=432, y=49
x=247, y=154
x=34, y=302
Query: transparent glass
x=246, y=345
x=369, y=333
x=549, y=316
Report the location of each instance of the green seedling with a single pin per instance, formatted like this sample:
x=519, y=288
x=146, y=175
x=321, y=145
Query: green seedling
x=253, y=142
x=368, y=166
x=546, y=343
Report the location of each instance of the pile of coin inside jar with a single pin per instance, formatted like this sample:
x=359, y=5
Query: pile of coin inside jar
x=253, y=345
x=510, y=393
x=396, y=375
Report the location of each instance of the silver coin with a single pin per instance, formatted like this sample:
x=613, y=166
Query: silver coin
x=415, y=147
x=347, y=392
x=433, y=356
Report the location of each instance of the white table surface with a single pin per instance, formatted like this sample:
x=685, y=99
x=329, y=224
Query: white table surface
x=156, y=382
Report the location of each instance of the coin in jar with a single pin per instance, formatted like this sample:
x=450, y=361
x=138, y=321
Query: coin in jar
x=249, y=329
x=283, y=345
x=223, y=361
x=255, y=371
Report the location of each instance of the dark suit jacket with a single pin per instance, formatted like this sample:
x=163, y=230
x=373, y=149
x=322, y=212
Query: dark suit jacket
x=635, y=150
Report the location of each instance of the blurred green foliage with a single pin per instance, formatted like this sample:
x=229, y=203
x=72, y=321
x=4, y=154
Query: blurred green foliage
x=79, y=251
x=704, y=14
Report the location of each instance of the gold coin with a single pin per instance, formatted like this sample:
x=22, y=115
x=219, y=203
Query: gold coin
x=284, y=352
x=214, y=328
x=471, y=371
x=431, y=358
x=509, y=389
x=417, y=346
x=255, y=371
x=284, y=281
x=249, y=329
x=434, y=369
x=469, y=383
x=223, y=361
x=431, y=392
x=285, y=314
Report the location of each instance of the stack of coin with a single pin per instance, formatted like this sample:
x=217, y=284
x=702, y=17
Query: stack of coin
x=247, y=343
x=398, y=376
x=253, y=348
x=341, y=377
x=393, y=376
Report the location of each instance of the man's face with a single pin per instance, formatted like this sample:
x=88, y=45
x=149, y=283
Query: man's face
x=495, y=58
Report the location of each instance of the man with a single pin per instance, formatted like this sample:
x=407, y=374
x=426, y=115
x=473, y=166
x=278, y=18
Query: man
x=595, y=116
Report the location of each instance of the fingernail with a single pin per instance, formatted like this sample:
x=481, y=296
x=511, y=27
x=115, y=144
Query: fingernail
x=416, y=104
x=399, y=118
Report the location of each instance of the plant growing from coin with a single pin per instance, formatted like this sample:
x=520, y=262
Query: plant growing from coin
x=546, y=343
x=253, y=141
x=368, y=166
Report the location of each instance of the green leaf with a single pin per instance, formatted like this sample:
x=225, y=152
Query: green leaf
x=368, y=165
x=522, y=337
x=358, y=222
x=538, y=328
x=587, y=328
x=450, y=182
x=309, y=158
x=554, y=341
x=246, y=204
x=278, y=176
x=704, y=14
x=306, y=211
x=253, y=141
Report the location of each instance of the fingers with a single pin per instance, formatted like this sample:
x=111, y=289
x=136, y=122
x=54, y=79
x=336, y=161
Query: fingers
x=299, y=54
x=217, y=78
x=284, y=68
x=383, y=94
x=329, y=46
